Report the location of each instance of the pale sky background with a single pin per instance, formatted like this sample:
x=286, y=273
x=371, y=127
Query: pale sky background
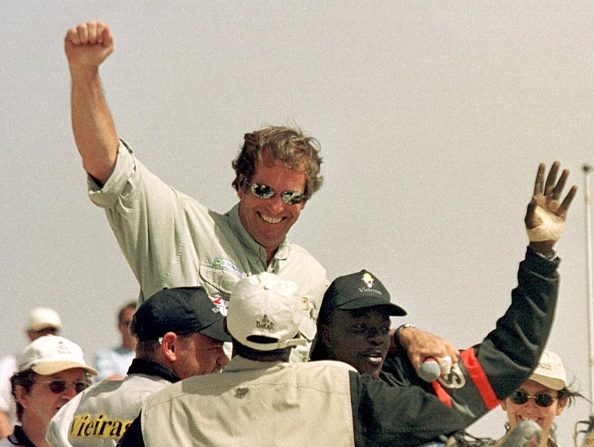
x=432, y=116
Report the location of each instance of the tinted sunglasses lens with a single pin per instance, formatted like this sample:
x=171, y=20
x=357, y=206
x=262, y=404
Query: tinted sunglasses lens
x=519, y=397
x=544, y=400
x=541, y=399
x=292, y=197
x=57, y=386
x=264, y=191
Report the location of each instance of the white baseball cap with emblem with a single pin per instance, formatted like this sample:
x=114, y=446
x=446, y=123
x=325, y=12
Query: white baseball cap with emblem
x=265, y=313
x=51, y=354
x=550, y=371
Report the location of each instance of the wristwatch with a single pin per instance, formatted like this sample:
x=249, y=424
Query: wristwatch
x=399, y=329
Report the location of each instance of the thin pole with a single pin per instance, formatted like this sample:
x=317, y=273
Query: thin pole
x=587, y=169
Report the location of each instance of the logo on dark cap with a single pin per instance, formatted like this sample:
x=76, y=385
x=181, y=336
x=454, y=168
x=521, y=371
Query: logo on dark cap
x=368, y=279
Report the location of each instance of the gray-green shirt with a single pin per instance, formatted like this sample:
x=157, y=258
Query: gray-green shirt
x=171, y=240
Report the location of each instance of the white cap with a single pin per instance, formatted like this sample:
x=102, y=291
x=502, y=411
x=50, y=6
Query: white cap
x=51, y=354
x=43, y=318
x=550, y=371
x=264, y=305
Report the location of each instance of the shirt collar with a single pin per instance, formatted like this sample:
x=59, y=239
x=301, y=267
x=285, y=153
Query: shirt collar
x=20, y=438
x=148, y=367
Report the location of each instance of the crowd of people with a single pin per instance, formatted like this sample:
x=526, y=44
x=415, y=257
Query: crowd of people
x=239, y=338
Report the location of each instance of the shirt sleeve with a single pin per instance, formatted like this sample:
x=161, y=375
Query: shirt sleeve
x=146, y=217
x=398, y=415
x=488, y=372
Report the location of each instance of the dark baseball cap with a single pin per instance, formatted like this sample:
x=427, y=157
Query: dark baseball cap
x=357, y=291
x=182, y=310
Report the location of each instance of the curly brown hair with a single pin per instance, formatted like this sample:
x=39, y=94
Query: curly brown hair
x=290, y=146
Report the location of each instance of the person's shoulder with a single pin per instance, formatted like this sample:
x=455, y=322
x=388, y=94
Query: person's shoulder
x=170, y=391
x=323, y=375
x=297, y=249
x=326, y=364
x=298, y=255
x=145, y=382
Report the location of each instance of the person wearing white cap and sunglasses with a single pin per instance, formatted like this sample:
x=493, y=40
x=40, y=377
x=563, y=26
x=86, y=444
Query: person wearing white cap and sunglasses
x=170, y=239
x=541, y=398
x=40, y=321
x=50, y=372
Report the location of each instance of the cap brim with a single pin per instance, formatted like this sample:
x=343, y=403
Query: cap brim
x=216, y=331
x=366, y=302
x=43, y=326
x=49, y=368
x=549, y=382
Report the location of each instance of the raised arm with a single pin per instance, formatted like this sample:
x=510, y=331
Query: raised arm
x=489, y=371
x=87, y=45
x=544, y=220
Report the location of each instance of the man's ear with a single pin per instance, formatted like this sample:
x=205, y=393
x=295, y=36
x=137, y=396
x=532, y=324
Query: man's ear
x=21, y=395
x=503, y=405
x=561, y=404
x=169, y=346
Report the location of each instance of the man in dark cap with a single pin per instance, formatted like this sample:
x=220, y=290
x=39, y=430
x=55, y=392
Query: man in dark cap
x=180, y=334
x=354, y=323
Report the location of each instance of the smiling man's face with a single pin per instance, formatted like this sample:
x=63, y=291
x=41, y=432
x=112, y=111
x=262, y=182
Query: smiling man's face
x=269, y=220
x=360, y=338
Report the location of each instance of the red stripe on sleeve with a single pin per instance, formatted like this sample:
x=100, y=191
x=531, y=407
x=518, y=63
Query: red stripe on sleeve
x=441, y=394
x=478, y=376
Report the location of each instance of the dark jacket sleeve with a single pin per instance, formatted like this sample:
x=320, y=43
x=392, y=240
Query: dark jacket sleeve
x=385, y=415
x=490, y=371
x=133, y=436
x=398, y=371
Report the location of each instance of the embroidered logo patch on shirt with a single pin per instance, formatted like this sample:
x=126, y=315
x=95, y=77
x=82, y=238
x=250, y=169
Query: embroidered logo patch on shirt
x=228, y=266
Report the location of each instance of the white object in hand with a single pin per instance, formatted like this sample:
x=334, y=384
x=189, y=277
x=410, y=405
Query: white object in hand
x=432, y=368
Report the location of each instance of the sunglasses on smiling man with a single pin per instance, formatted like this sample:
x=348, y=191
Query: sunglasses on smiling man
x=267, y=192
x=520, y=397
x=59, y=386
